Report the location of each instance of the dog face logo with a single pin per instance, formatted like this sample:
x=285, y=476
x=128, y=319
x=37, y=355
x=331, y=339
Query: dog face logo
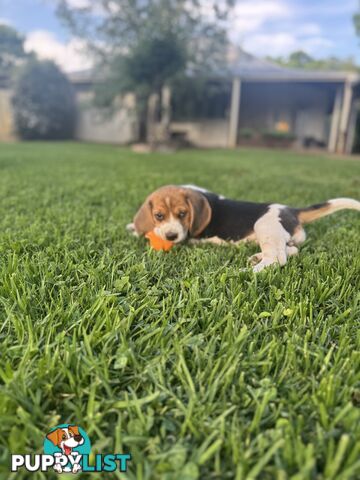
x=66, y=438
x=67, y=448
x=67, y=443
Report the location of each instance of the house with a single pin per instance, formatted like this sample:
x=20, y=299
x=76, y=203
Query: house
x=315, y=108
x=252, y=101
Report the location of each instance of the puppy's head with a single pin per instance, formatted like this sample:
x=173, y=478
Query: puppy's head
x=66, y=438
x=173, y=213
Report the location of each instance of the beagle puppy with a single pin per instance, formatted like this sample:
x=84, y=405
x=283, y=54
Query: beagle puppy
x=178, y=213
x=66, y=439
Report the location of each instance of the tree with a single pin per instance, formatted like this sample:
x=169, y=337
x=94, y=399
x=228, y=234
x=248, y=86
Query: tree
x=11, y=48
x=301, y=59
x=356, y=19
x=143, y=46
x=43, y=102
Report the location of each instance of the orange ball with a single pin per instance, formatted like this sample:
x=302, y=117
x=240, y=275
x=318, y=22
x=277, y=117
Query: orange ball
x=157, y=243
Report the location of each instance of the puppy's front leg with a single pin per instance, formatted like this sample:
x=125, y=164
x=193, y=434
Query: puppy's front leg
x=130, y=227
x=213, y=240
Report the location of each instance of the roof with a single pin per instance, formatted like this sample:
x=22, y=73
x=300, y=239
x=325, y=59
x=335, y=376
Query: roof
x=4, y=80
x=247, y=67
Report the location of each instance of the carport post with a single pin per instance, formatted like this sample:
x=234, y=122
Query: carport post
x=165, y=113
x=345, y=116
x=335, y=121
x=352, y=127
x=151, y=119
x=234, y=113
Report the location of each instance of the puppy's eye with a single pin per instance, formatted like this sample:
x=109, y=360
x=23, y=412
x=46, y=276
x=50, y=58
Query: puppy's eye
x=182, y=214
x=64, y=437
x=159, y=216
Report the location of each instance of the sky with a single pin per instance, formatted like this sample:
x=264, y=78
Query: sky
x=262, y=27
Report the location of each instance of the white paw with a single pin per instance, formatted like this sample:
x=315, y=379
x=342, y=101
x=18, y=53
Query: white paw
x=58, y=468
x=256, y=258
x=76, y=468
x=130, y=227
x=263, y=264
x=291, y=250
x=193, y=241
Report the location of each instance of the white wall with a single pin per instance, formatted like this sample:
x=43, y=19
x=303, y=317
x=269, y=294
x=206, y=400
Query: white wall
x=94, y=125
x=7, y=128
x=204, y=133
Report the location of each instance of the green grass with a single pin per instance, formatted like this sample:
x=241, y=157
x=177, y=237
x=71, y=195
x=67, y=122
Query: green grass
x=201, y=370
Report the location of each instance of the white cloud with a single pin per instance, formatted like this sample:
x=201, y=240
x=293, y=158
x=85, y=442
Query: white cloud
x=69, y=56
x=308, y=29
x=275, y=27
x=250, y=16
x=263, y=8
x=79, y=3
x=284, y=43
x=264, y=44
x=94, y=7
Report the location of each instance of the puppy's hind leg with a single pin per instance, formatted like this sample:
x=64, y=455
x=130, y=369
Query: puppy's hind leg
x=272, y=253
x=298, y=237
x=291, y=250
x=257, y=257
x=273, y=239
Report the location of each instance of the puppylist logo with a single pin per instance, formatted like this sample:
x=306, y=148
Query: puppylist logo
x=67, y=449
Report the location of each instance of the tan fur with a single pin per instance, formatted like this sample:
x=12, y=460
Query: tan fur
x=74, y=429
x=54, y=436
x=299, y=236
x=312, y=215
x=170, y=201
x=200, y=211
x=143, y=220
x=309, y=215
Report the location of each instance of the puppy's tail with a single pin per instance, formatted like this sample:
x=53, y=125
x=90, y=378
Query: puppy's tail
x=309, y=214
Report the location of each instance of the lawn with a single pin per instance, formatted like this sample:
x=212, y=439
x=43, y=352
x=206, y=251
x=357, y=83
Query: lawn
x=199, y=368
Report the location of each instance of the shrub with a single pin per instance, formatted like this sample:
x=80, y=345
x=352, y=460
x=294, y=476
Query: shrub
x=43, y=101
x=247, y=133
x=278, y=135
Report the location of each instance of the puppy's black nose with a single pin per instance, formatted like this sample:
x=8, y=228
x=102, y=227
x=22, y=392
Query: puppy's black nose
x=78, y=438
x=171, y=236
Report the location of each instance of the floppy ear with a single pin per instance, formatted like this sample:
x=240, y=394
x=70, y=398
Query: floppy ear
x=53, y=436
x=74, y=429
x=143, y=220
x=200, y=212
